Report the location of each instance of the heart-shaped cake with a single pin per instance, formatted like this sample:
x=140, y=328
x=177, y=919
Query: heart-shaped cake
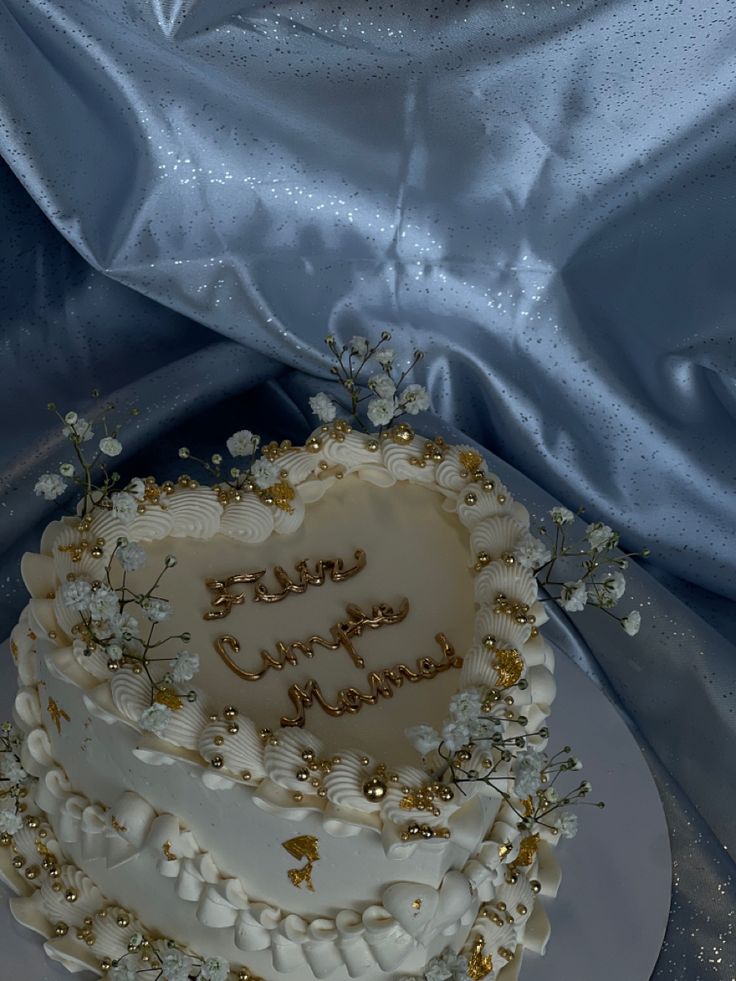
x=250, y=794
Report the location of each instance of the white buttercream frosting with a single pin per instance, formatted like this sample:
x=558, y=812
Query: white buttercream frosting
x=406, y=920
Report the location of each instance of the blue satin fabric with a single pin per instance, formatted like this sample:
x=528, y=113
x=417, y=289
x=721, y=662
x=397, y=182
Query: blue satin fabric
x=539, y=196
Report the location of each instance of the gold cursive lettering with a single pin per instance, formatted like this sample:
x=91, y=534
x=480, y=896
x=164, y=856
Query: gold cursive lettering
x=223, y=600
x=341, y=635
x=381, y=684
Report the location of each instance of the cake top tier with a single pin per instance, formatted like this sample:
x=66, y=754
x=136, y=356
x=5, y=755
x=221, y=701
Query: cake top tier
x=374, y=586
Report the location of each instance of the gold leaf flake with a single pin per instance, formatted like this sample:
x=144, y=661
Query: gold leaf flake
x=168, y=852
x=304, y=846
x=470, y=460
x=480, y=965
x=527, y=852
x=509, y=666
x=57, y=714
x=282, y=494
x=169, y=698
x=14, y=650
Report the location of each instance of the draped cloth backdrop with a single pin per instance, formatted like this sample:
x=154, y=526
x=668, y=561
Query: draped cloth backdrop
x=538, y=195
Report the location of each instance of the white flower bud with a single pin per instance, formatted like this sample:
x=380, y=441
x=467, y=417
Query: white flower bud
x=323, y=407
x=111, y=446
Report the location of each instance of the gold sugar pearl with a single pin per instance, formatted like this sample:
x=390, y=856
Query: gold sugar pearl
x=122, y=920
x=521, y=909
x=471, y=498
x=364, y=761
x=32, y=872
x=297, y=796
x=71, y=895
x=5, y=839
x=61, y=929
x=374, y=789
x=229, y=712
x=18, y=862
x=402, y=434
x=217, y=762
x=313, y=445
x=233, y=728
x=535, y=885
x=372, y=446
x=308, y=755
x=218, y=740
x=302, y=773
x=246, y=775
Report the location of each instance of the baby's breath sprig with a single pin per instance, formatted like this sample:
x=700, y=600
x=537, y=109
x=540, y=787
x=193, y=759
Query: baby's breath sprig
x=90, y=470
x=164, y=960
x=600, y=580
x=13, y=781
x=472, y=748
x=385, y=398
x=110, y=627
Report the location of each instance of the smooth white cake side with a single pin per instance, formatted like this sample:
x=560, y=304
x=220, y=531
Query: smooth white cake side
x=121, y=803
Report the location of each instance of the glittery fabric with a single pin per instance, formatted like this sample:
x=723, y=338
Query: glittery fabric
x=538, y=195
